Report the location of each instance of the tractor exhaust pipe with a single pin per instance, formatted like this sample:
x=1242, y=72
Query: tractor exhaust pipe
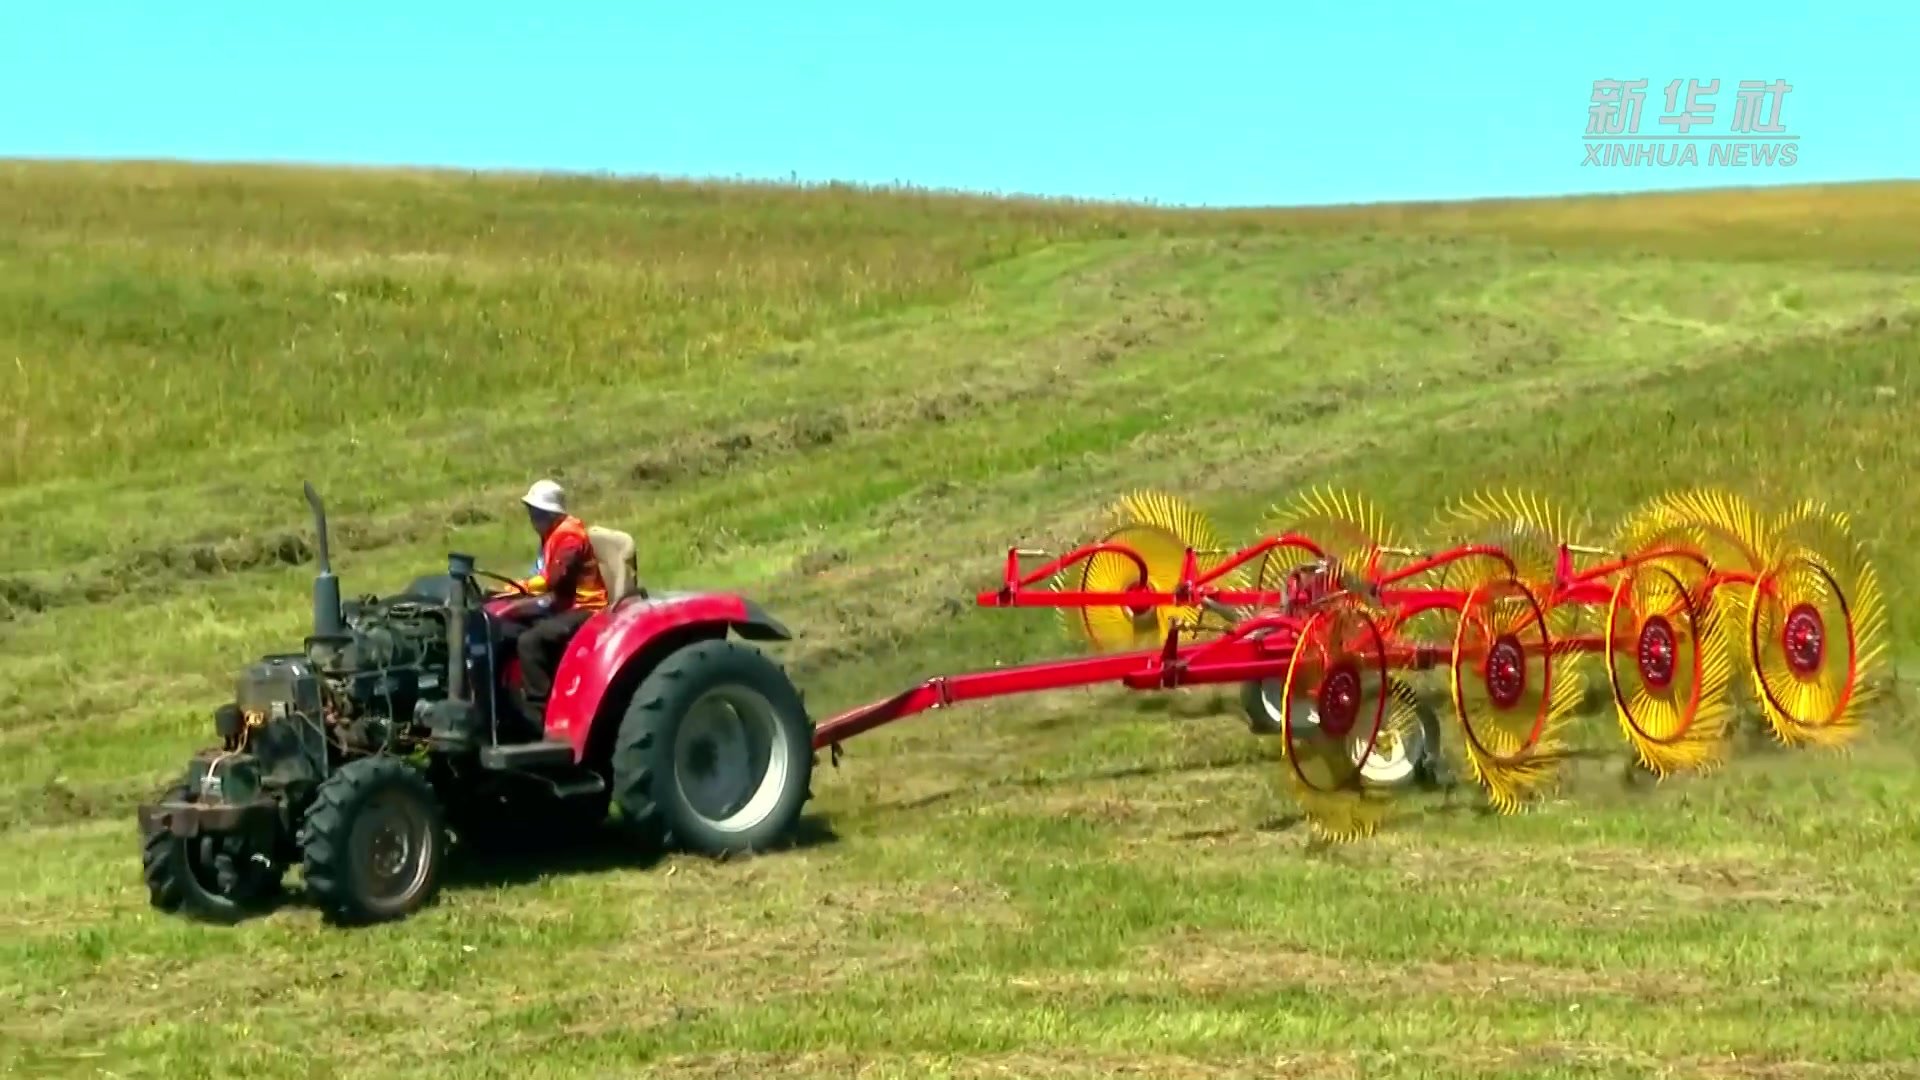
x=460, y=569
x=327, y=621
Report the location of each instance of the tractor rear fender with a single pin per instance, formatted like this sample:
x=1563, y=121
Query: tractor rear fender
x=615, y=649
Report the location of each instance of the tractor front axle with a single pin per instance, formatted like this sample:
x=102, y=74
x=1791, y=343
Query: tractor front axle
x=258, y=816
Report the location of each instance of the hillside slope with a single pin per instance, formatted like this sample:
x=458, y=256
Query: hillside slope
x=847, y=404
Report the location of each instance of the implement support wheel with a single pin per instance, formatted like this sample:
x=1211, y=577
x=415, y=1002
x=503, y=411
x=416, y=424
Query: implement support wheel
x=1399, y=758
x=715, y=752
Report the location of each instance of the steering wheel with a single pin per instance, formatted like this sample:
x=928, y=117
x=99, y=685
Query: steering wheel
x=511, y=584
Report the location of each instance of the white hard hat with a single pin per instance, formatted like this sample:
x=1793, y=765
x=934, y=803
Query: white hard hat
x=546, y=495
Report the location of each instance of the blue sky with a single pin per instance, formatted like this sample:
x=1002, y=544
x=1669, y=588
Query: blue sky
x=1211, y=104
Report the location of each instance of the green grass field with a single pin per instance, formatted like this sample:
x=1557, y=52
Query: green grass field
x=847, y=405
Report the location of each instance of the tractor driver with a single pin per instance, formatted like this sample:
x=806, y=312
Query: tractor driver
x=565, y=590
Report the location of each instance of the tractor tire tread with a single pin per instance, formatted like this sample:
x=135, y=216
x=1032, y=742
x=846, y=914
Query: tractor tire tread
x=326, y=830
x=172, y=888
x=638, y=768
x=165, y=891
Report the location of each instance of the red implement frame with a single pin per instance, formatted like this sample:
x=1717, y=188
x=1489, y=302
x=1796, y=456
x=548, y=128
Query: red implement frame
x=1257, y=648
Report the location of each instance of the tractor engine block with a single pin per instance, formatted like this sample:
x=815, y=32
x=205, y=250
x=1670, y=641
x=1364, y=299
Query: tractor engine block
x=356, y=693
x=398, y=657
x=279, y=718
x=393, y=662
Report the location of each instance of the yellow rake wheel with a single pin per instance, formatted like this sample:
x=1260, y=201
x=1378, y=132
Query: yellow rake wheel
x=1669, y=670
x=1348, y=529
x=1160, y=528
x=1510, y=697
x=1816, y=631
x=1724, y=528
x=1339, y=705
x=1530, y=530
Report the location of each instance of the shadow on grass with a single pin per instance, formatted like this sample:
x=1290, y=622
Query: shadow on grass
x=1045, y=782
x=1275, y=825
x=522, y=858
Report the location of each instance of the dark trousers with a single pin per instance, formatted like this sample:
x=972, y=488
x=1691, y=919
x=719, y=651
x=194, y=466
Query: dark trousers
x=540, y=646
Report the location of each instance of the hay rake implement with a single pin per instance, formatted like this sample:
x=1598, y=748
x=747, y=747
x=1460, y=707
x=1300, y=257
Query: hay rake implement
x=1328, y=618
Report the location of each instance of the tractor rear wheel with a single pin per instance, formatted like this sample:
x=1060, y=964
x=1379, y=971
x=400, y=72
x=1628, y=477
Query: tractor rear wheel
x=213, y=876
x=374, y=842
x=715, y=752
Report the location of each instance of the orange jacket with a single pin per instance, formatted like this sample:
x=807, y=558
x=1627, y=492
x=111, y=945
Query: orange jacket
x=568, y=570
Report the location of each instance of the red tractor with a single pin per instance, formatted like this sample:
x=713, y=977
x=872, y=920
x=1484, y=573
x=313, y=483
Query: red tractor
x=353, y=756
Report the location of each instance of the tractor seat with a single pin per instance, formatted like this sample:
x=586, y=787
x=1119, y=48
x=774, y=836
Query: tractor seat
x=619, y=567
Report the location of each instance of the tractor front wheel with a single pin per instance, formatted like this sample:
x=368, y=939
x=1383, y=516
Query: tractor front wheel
x=374, y=842
x=715, y=752
x=213, y=876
